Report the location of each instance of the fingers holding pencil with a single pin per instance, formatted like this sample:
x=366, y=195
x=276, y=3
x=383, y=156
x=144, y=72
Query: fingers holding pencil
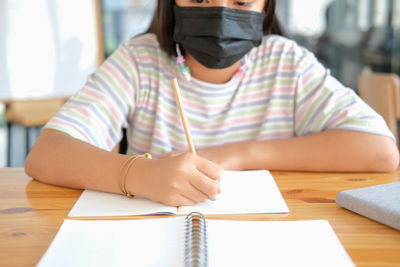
x=203, y=185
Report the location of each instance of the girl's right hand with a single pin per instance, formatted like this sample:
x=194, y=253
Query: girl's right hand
x=182, y=179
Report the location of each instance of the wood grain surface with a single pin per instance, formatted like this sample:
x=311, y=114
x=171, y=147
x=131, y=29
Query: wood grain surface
x=32, y=212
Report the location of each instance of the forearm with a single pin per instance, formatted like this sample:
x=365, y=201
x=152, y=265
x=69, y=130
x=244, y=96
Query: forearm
x=334, y=150
x=59, y=159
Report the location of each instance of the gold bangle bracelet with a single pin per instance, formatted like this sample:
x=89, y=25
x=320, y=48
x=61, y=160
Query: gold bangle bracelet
x=124, y=169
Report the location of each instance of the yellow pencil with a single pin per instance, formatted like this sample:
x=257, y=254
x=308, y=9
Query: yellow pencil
x=182, y=113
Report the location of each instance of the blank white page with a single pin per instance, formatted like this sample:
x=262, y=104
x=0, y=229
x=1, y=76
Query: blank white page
x=102, y=204
x=274, y=243
x=156, y=242
x=243, y=192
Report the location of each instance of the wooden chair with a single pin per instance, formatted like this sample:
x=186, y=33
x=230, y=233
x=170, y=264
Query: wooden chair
x=381, y=92
x=31, y=114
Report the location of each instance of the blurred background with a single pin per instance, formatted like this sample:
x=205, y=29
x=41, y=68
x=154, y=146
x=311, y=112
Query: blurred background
x=345, y=35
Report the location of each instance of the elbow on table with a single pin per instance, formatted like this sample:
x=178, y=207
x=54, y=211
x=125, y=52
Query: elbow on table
x=29, y=166
x=34, y=167
x=44, y=157
x=385, y=160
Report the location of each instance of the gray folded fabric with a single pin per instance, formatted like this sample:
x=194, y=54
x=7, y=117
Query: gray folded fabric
x=380, y=202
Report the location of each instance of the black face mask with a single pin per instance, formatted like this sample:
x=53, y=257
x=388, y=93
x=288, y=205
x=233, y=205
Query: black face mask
x=217, y=37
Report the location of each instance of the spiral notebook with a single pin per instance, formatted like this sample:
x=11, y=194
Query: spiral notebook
x=242, y=192
x=181, y=241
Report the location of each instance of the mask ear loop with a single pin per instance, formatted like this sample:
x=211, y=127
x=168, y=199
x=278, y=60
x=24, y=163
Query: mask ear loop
x=243, y=64
x=181, y=61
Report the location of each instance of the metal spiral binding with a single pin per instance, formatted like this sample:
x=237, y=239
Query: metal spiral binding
x=196, y=241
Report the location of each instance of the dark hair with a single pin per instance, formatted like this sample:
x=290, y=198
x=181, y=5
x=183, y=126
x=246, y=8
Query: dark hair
x=163, y=23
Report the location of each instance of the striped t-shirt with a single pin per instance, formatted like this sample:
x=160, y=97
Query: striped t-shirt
x=284, y=92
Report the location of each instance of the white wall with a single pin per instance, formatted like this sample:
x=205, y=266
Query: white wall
x=47, y=48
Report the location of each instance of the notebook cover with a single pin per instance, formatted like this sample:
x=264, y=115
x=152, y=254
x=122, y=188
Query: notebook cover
x=380, y=202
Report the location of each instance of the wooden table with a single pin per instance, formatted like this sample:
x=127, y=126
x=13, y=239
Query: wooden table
x=31, y=214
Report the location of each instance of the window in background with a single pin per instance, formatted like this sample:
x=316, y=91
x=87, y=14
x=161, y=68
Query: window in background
x=47, y=48
x=347, y=35
x=124, y=19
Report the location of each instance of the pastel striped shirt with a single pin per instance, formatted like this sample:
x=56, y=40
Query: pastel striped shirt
x=284, y=92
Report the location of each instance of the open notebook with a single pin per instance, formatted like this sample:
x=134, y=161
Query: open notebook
x=242, y=192
x=163, y=242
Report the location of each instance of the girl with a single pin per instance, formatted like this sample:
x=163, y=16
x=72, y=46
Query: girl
x=253, y=98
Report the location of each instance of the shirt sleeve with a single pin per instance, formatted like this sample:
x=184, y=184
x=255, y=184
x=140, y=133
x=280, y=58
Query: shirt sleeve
x=323, y=103
x=97, y=113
